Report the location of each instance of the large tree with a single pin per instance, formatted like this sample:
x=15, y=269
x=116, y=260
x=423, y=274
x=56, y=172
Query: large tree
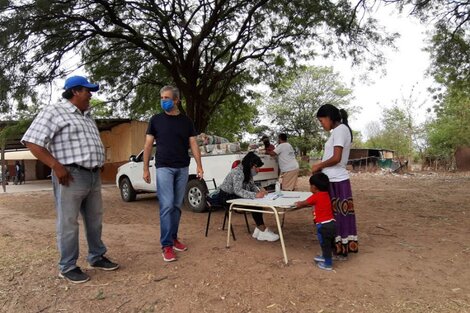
x=448, y=46
x=451, y=127
x=234, y=117
x=209, y=48
x=297, y=98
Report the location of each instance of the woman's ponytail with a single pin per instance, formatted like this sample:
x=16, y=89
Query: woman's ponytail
x=344, y=120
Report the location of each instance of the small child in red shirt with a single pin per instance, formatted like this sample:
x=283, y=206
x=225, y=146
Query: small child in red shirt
x=323, y=218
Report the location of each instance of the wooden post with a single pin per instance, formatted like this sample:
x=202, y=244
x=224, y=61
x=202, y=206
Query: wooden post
x=4, y=186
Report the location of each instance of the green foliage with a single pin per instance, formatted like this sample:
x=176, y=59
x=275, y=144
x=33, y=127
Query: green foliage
x=101, y=109
x=244, y=145
x=450, y=18
x=233, y=118
x=451, y=60
x=395, y=132
x=13, y=130
x=448, y=46
x=449, y=49
x=304, y=167
x=295, y=101
x=449, y=41
x=451, y=128
x=210, y=50
x=358, y=141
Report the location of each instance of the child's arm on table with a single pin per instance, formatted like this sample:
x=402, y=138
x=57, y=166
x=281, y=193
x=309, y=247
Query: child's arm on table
x=301, y=204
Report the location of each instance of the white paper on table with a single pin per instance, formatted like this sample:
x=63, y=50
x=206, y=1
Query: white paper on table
x=286, y=199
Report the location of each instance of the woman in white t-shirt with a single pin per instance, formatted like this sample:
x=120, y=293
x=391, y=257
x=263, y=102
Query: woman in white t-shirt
x=333, y=164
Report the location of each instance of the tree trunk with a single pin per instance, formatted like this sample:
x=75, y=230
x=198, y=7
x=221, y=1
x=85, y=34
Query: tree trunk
x=3, y=169
x=197, y=109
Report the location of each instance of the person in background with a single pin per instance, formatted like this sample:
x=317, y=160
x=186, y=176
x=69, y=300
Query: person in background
x=18, y=173
x=333, y=164
x=7, y=174
x=239, y=183
x=268, y=147
x=287, y=163
x=65, y=138
x=323, y=218
x=173, y=133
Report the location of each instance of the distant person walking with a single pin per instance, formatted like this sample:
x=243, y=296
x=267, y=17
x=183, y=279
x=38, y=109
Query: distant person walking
x=287, y=163
x=333, y=164
x=19, y=173
x=65, y=138
x=7, y=174
x=174, y=134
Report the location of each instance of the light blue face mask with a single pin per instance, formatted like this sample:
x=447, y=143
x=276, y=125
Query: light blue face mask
x=167, y=104
x=254, y=172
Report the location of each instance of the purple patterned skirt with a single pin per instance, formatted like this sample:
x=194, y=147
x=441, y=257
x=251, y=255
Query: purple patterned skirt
x=343, y=208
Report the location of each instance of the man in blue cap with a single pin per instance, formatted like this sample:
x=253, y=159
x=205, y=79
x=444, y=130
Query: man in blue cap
x=65, y=138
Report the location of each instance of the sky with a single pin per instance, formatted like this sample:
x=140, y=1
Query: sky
x=405, y=73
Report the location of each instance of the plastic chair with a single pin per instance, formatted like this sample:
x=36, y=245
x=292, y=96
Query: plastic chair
x=211, y=206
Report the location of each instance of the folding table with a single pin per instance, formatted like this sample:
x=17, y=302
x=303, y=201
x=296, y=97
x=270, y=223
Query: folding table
x=273, y=204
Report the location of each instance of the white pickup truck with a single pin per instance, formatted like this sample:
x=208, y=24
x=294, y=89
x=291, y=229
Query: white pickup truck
x=216, y=167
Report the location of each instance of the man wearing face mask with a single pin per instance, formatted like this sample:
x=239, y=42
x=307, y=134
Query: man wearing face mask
x=173, y=134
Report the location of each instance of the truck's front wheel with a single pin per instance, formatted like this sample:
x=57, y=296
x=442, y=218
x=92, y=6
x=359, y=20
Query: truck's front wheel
x=128, y=193
x=196, y=192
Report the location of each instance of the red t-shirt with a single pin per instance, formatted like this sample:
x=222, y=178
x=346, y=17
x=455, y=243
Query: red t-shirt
x=323, y=211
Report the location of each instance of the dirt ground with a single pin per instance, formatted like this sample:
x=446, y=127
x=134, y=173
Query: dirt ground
x=413, y=256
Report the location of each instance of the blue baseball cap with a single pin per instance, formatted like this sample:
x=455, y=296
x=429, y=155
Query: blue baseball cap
x=75, y=81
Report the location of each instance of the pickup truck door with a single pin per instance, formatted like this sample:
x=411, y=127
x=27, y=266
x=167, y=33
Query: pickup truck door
x=270, y=169
x=136, y=170
x=153, y=174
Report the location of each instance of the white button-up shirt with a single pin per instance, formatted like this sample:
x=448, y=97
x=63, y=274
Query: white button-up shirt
x=69, y=135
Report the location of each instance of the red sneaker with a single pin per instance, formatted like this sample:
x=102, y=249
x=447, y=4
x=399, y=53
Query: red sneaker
x=178, y=246
x=168, y=254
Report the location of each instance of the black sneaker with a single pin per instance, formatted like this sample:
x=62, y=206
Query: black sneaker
x=75, y=276
x=105, y=264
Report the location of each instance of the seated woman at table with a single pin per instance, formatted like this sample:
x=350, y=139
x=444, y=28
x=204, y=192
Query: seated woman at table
x=239, y=184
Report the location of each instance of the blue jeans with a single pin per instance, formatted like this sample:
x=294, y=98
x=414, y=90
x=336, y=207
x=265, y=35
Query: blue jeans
x=326, y=237
x=82, y=195
x=171, y=186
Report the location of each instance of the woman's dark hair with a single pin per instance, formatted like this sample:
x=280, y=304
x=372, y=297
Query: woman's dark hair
x=247, y=163
x=335, y=114
x=68, y=94
x=320, y=180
